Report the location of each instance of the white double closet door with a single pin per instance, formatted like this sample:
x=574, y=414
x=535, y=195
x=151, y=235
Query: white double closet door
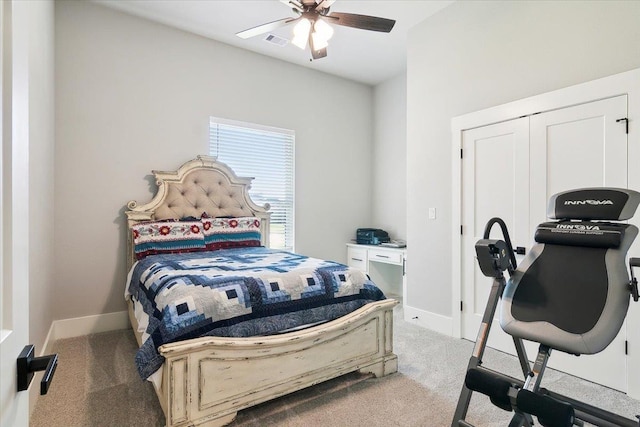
x=510, y=170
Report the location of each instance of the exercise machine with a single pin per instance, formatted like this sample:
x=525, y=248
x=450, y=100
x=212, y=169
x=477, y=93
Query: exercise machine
x=571, y=293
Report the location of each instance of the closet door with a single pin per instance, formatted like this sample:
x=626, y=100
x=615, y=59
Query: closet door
x=581, y=146
x=495, y=183
x=510, y=170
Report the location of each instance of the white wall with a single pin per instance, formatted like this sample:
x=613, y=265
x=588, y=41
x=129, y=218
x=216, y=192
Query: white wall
x=475, y=55
x=132, y=95
x=389, y=191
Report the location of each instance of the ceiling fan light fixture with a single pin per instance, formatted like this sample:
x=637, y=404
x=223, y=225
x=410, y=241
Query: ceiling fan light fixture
x=322, y=30
x=301, y=33
x=319, y=42
x=313, y=24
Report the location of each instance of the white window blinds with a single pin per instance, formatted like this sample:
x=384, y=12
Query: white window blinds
x=265, y=153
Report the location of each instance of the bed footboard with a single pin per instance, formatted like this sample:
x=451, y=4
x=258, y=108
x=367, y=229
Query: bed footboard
x=206, y=381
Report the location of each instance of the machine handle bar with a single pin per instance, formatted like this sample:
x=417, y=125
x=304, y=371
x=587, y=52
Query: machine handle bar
x=507, y=240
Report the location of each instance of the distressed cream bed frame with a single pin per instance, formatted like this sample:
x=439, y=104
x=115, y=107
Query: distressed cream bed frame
x=205, y=381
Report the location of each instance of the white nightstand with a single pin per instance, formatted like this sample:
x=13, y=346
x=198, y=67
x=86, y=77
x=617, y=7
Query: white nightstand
x=386, y=266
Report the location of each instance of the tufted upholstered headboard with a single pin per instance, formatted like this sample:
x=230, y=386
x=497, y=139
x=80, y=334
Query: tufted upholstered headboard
x=200, y=185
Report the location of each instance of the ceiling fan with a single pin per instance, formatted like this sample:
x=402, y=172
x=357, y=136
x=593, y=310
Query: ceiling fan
x=313, y=19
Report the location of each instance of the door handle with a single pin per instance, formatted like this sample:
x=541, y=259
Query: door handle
x=521, y=250
x=28, y=365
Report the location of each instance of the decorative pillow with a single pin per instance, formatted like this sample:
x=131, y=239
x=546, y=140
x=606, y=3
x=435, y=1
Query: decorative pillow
x=166, y=237
x=223, y=233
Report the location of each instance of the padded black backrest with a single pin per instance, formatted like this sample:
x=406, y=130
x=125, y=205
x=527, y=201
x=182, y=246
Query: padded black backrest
x=581, y=233
x=614, y=204
x=571, y=291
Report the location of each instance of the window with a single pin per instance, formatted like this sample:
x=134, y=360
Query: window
x=265, y=153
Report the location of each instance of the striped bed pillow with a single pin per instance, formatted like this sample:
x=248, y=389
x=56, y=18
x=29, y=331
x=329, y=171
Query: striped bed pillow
x=165, y=237
x=225, y=233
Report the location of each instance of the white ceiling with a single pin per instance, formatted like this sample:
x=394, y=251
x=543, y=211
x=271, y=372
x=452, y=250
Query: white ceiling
x=366, y=56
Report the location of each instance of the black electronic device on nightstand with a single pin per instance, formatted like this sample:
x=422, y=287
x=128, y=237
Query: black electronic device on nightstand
x=371, y=236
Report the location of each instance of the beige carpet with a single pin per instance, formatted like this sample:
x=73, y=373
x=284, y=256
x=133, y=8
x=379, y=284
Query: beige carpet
x=96, y=384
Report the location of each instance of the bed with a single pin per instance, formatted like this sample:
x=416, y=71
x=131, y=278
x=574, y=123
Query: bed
x=205, y=381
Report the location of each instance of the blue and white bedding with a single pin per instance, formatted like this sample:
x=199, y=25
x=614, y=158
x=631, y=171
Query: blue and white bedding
x=238, y=293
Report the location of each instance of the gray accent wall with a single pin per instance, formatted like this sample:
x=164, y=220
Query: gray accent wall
x=133, y=95
x=477, y=54
x=389, y=172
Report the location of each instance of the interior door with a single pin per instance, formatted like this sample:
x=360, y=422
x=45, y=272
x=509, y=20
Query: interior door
x=581, y=146
x=495, y=182
x=14, y=193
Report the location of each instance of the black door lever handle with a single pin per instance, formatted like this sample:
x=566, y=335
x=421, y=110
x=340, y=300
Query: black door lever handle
x=28, y=365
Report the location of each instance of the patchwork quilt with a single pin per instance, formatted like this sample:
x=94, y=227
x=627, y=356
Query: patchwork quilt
x=238, y=293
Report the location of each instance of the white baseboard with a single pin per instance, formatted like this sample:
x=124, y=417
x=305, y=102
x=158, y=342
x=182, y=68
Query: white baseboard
x=426, y=319
x=75, y=327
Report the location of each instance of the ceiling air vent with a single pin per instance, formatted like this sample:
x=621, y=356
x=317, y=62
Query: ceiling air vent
x=272, y=38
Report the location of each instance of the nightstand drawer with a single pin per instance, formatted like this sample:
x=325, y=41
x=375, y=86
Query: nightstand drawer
x=357, y=258
x=389, y=257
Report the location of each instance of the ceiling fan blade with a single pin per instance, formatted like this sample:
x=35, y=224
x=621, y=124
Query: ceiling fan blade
x=265, y=28
x=363, y=22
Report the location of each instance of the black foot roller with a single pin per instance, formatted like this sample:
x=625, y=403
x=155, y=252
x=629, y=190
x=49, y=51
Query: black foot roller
x=491, y=385
x=550, y=412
